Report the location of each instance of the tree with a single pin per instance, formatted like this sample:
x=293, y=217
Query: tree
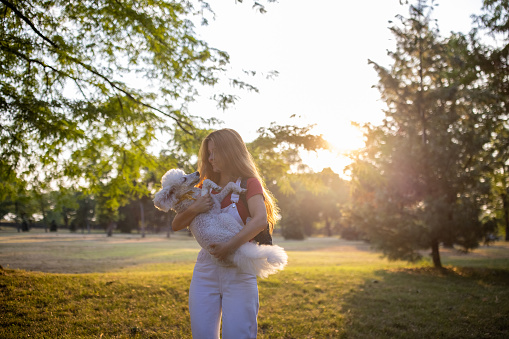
x=494, y=64
x=276, y=153
x=138, y=212
x=9, y=190
x=418, y=183
x=73, y=108
x=85, y=212
x=315, y=204
x=66, y=108
x=332, y=199
x=24, y=206
x=61, y=206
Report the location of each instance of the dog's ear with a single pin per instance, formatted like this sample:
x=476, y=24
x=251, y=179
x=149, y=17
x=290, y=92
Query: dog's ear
x=170, y=193
x=163, y=198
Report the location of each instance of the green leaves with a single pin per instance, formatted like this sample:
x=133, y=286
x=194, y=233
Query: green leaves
x=276, y=153
x=276, y=149
x=418, y=182
x=68, y=113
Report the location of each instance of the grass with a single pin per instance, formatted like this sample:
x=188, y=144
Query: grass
x=90, y=286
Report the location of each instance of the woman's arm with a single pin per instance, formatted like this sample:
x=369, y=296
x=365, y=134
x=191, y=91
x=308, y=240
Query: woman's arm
x=184, y=219
x=257, y=224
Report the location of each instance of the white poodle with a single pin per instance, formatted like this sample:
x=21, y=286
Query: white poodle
x=178, y=193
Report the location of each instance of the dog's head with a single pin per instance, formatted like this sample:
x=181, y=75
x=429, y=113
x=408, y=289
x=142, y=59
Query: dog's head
x=175, y=184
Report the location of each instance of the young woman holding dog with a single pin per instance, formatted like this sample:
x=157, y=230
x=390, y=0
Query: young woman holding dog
x=219, y=291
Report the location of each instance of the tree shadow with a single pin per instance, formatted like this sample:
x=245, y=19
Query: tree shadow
x=456, y=302
x=324, y=244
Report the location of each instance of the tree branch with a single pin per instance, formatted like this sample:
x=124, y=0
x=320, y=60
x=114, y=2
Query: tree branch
x=25, y=19
x=111, y=83
x=129, y=95
x=129, y=134
x=25, y=57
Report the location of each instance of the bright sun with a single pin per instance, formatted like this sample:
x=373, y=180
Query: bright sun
x=343, y=138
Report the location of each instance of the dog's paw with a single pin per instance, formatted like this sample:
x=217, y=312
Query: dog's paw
x=216, y=188
x=238, y=190
x=207, y=183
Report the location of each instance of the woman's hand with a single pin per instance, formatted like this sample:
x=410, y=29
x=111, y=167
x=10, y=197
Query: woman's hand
x=221, y=250
x=202, y=204
x=257, y=224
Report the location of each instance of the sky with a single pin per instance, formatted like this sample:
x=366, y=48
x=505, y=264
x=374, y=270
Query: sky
x=320, y=50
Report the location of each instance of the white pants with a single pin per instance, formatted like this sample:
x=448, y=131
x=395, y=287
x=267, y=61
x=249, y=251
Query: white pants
x=216, y=289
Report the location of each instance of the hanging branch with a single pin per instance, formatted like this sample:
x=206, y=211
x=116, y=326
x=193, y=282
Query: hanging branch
x=187, y=129
x=25, y=19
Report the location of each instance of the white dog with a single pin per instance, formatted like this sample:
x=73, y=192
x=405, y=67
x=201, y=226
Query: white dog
x=178, y=193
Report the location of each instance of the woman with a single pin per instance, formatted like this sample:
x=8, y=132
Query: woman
x=222, y=291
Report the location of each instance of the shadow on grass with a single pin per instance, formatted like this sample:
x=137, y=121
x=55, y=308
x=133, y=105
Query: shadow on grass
x=456, y=302
x=326, y=244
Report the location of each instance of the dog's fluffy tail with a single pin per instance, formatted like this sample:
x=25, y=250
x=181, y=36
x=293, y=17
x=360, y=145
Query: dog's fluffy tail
x=260, y=260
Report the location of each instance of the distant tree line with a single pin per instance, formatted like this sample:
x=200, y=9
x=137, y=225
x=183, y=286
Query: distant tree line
x=310, y=202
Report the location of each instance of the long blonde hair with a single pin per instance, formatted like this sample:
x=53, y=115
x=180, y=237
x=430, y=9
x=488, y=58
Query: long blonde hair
x=232, y=150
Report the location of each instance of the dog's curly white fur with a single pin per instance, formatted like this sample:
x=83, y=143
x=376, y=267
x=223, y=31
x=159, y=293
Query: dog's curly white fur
x=178, y=193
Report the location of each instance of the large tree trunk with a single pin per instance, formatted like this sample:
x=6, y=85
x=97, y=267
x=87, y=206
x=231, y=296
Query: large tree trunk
x=435, y=254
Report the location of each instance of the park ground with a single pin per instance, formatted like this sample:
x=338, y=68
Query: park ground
x=67, y=285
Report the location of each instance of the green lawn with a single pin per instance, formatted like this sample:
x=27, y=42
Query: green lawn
x=90, y=286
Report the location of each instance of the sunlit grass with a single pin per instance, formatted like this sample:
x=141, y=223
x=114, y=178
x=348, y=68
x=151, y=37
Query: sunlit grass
x=331, y=288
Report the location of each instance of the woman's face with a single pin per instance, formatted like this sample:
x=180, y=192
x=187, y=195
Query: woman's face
x=214, y=161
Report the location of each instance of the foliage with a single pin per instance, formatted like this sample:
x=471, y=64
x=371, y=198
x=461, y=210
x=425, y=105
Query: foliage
x=87, y=88
x=418, y=183
x=69, y=108
x=332, y=200
x=84, y=212
x=63, y=206
x=130, y=217
x=494, y=63
x=129, y=205
x=316, y=205
x=276, y=153
x=495, y=18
